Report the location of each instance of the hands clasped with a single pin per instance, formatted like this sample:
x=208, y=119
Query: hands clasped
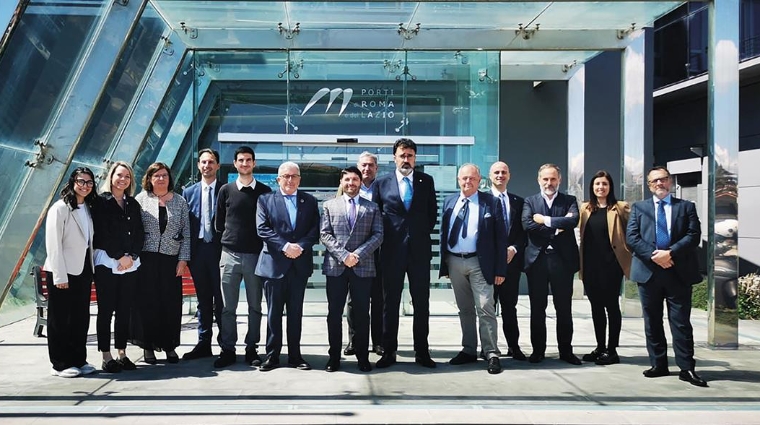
x=293, y=251
x=351, y=260
x=662, y=258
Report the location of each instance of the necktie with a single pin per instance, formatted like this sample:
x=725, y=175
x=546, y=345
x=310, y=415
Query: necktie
x=351, y=213
x=292, y=209
x=662, y=237
x=460, y=224
x=207, y=235
x=503, y=198
x=406, y=197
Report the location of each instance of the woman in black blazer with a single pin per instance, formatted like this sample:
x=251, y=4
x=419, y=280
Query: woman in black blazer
x=68, y=241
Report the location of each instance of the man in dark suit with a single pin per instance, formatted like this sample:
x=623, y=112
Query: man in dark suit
x=551, y=258
x=205, y=251
x=408, y=204
x=287, y=220
x=351, y=231
x=473, y=253
x=663, y=234
x=506, y=294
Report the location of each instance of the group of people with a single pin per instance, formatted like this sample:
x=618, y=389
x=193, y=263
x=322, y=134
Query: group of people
x=376, y=232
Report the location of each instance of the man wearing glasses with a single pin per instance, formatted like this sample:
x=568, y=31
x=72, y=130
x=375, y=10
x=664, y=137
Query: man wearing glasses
x=409, y=207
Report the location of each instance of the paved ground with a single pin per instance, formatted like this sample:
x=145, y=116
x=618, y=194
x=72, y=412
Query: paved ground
x=550, y=392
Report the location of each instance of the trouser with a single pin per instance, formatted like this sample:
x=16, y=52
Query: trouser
x=115, y=297
x=286, y=293
x=506, y=294
x=550, y=270
x=234, y=267
x=375, y=312
x=419, y=288
x=69, y=320
x=359, y=288
x=602, y=284
x=204, y=267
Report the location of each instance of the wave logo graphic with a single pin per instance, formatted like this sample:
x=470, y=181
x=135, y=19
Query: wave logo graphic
x=334, y=93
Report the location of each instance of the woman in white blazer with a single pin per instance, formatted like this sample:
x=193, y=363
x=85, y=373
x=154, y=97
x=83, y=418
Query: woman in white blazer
x=68, y=241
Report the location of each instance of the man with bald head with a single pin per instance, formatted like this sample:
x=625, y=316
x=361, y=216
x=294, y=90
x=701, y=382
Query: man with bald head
x=507, y=293
x=473, y=253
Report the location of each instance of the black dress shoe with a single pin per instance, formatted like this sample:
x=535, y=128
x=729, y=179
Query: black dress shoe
x=226, y=358
x=536, y=357
x=378, y=349
x=364, y=365
x=126, y=364
x=252, y=358
x=463, y=358
x=349, y=350
x=269, y=364
x=593, y=355
x=494, y=366
x=517, y=354
x=423, y=359
x=299, y=364
x=387, y=360
x=333, y=365
x=149, y=357
x=198, y=352
x=172, y=357
x=111, y=366
x=656, y=372
x=607, y=358
x=570, y=358
x=691, y=377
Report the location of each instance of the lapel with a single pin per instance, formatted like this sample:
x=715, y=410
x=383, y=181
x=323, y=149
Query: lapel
x=361, y=209
x=75, y=215
x=652, y=209
x=482, y=210
x=611, y=216
x=281, y=210
x=394, y=190
x=299, y=208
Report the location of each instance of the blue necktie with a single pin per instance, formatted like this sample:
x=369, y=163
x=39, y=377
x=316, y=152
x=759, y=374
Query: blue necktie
x=503, y=198
x=292, y=209
x=407, y=195
x=207, y=234
x=460, y=224
x=662, y=236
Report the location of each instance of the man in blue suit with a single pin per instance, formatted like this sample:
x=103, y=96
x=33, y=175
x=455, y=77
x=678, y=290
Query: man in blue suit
x=663, y=234
x=551, y=258
x=287, y=220
x=206, y=249
x=409, y=207
x=473, y=255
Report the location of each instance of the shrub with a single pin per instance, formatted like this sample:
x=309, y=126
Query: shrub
x=699, y=295
x=749, y=297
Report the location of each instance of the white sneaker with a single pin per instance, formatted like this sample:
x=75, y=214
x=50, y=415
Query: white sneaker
x=87, y=369
x=71, y=372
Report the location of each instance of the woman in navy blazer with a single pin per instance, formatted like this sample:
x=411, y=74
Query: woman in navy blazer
x=68, y=241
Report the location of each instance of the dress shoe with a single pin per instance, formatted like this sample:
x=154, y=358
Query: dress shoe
x=198, y=352
x=269, y=364
x=423, y=359
x=593, y=355
x=517, y=354
x=226, y=358
x=349, y=350
x=494, y=366
x=570, y=358
x=333, y=365
x=608, y=357
x=172, y=357
x=387, y=360
x=364, y=365
x=149, y=356
x=87, y=369
x=691, y=377
x=536, y=357
x=378, y=349
x=71, y=372
x=299, y=364
x=656, y=372
x=252, y=358
x=126, y=364
x=111, y=366
x=463, y=358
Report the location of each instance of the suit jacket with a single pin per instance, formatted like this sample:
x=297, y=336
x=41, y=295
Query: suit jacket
x=194, y=197
x=685, y=234
x=176, y=237
x=492, y=236
x=65, y=242
x=340, y=240
x=540, y=236
x=274, y=229
x=617, y=220
x=413, y=227
x=516, y=235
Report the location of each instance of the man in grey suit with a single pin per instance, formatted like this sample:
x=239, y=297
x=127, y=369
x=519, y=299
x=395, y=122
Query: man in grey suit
x=351, y=231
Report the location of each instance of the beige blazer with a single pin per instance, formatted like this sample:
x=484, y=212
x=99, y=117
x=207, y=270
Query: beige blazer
x=65, y=242
x=617, y=221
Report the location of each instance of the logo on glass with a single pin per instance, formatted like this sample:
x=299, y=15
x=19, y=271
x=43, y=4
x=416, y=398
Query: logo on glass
x=334, y=93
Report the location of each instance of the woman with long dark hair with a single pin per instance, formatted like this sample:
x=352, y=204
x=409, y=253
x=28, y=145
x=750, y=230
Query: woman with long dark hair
x=604, y=260
x=118, y=242
x=164, y=257
x=68, y=241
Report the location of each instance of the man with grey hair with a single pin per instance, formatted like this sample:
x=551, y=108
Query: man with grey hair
x=287, y=220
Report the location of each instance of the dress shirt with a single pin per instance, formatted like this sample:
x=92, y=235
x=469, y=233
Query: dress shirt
x=204, y=195
x=668, y=210
x=470, y=243
x=496, y=193
x=549, y=202
x=240, y=185
x=292, y=207
x=401, y=184
x=366, y=192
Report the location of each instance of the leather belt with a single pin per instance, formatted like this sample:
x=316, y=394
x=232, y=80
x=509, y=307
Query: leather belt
x=464, y=254
x=549, y=250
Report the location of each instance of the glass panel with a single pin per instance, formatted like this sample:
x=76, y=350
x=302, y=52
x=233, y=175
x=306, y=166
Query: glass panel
x=13, y=174
x=670, y=53
x=697, y=63
x=749, y=29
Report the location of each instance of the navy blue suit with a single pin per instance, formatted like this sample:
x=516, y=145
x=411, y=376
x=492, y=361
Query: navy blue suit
x=406, y=250
x=204, y=264
x=673, y=284
x=508, y=292
x=284, y=278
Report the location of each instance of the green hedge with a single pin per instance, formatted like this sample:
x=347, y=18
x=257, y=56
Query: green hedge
x=748, y=301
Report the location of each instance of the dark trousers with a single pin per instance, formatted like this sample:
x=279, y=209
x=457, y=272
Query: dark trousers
x=419, y=288
x=338, y=287
x=204, y=268
x=602, y=284
x=156, y=326
x=286, y=293
x=665, y=286
x=550, y=270
x=506, y=294
x=375, y=312
x=115, y=296
x=69, y=320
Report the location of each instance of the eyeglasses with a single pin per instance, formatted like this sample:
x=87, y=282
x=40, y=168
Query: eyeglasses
x=289, y=176
x=659, y=180
x=406, y=156
x=83, y=182
x=160, y=176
